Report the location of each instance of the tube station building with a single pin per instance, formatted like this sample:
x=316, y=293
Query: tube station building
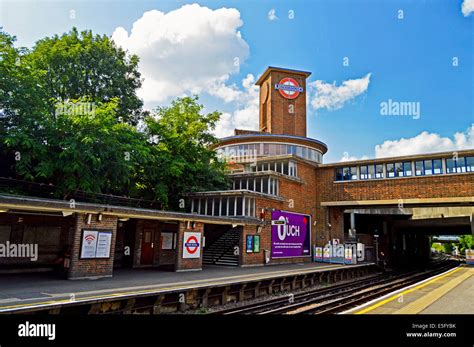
x=283, y=203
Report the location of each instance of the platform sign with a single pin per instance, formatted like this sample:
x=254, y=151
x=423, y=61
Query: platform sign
x=104, y=241
x=349, y=256
x=326, y=254
x=89, y=244
x=470, y=256
x=337, y=251
x=291, y=235
x=256, y=243
x=249, y=243
x=191, y=245
x=318, y=254
x=96, y=244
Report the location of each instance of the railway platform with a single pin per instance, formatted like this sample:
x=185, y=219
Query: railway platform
x=43, y=292
x=451, y=292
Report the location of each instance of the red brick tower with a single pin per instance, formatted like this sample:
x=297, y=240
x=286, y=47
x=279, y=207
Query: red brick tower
x=283, y=101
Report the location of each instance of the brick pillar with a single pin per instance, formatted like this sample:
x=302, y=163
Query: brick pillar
x=337, y=223
x=190, y=264
x=91, y=268
x=137, y=252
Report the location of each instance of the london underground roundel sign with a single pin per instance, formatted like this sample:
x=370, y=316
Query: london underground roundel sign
x=289, y=88
x=191, y=245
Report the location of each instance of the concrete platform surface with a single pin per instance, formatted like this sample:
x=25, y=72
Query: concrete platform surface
x=449, y=293
x=24, y=290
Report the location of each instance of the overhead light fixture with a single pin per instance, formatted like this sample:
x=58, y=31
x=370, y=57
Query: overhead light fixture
x=3, y=210
x=67, y=213
x=124, y=219
x=89, y=218
x=99, y=217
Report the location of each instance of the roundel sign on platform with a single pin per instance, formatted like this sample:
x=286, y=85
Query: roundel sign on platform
x=289, y=88
x=191, y=245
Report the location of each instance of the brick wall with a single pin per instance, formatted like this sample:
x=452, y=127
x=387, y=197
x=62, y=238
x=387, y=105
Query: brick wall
x=299, y=198
x=160, y=256
x=251, y=259
x=440, y=186
x=279, y=120
x=91, y=268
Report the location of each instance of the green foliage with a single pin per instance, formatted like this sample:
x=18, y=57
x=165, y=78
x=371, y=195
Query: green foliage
x=103, y=151
x=437, y=246
x=183, y=162
x=466, y=242
x=77, y=65
x=448, y=248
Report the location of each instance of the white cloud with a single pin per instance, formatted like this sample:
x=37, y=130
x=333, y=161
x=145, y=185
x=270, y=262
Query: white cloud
x=247, y=114
x=426, y=142
x=188, y=50
x=272, y=15
x=467, y=7
x=353, y=158
x=332, y=97
x=422, y=143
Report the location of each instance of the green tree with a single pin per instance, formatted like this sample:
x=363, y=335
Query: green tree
x=466, y=242
x=88, y=152
x=182, y=160
x=448, y=248
x=97, y=151
x=78, y=65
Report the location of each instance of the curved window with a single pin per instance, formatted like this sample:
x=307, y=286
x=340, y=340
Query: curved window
x=248, y=152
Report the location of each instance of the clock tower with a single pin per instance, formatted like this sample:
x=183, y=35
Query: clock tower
x=282, y=103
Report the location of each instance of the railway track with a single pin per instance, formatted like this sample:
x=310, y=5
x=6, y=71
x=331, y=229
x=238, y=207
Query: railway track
x=338, y=298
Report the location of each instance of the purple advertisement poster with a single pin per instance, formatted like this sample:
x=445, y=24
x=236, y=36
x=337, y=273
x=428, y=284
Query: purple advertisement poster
x=291, y=234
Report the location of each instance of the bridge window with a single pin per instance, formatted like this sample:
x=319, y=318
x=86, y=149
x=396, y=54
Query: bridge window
x=428, y=167
x=364, y=172
x=456, y=165
x=391, y=170
x=379, y=171
x=401, y=169
x=346, y=173
x=368, y=172
x=470, y=164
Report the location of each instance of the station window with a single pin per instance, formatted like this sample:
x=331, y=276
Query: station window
x=292, y=169
x=239, y=206
x=224, y=206
x=339, y=174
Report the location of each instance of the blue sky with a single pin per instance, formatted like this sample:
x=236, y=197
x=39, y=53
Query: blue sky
x=409, y=59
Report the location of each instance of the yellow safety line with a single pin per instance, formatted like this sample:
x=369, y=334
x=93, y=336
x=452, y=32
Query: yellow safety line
x=383, y=302
x=182, y=286
x=426, y=300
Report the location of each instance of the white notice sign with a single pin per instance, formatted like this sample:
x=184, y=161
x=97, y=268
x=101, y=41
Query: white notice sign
x=89, y=244
x=104, y=242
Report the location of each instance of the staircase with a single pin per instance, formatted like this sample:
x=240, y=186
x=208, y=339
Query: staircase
x=221, y=252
